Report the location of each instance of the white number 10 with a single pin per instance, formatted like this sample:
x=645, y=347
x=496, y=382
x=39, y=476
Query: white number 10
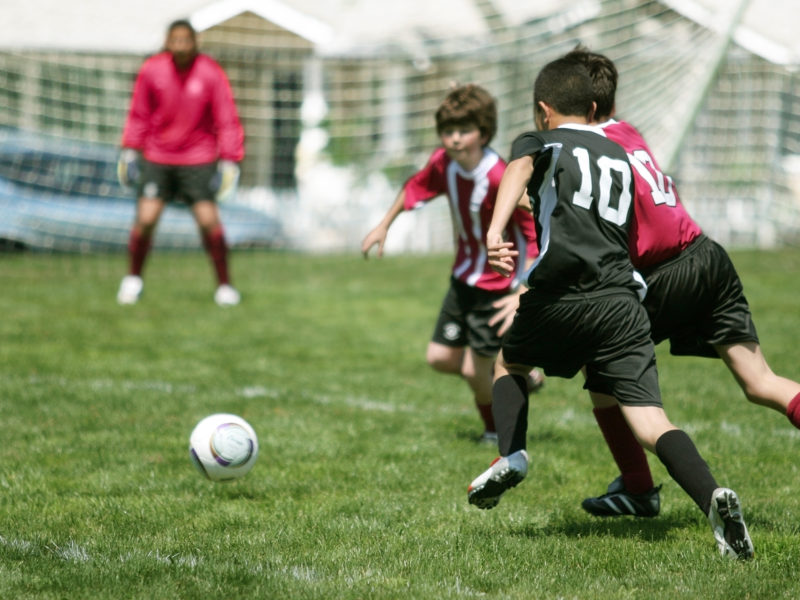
x=661, y=187
x=583, y=197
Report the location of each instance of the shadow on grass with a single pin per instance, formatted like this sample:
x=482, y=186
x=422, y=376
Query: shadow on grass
x=650, y=529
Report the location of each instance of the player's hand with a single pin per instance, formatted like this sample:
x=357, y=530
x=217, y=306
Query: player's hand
x=225, y=181
x=507, y=308
x=501, y=255
x=375, y=237
x=128, y=170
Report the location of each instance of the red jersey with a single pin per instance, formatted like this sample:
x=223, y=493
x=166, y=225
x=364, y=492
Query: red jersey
x=661, y=227
x=472, y=196
x=183, y=117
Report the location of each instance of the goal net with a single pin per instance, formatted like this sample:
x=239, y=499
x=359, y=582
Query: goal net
x=334, y=125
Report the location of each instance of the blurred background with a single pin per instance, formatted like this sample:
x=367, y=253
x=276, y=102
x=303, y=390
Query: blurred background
x=337, y=100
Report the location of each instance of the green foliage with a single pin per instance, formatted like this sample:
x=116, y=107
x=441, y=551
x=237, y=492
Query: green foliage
x=360, y=489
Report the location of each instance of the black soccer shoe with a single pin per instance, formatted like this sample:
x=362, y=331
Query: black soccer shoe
x=618, y=502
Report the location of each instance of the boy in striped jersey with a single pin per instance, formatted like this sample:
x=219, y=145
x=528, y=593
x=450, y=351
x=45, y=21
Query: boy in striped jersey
x=480, y=303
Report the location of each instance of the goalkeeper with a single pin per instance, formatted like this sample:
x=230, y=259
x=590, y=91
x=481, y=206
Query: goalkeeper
x=182, y=142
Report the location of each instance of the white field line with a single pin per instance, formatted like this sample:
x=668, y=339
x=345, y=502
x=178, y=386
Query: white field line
x=570, y=415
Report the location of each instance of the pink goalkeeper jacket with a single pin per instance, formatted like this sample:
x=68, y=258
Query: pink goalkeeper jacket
x=183, y=117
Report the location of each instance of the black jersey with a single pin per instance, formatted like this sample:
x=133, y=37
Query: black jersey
x=581, y=193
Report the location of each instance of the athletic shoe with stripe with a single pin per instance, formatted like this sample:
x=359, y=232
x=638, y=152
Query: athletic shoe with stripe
x=728, y=524
x=505, y=472
x=618, y=502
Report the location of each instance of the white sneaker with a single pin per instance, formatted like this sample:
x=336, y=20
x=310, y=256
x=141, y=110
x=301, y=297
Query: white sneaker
x=506, y=472
x=130, y=288
x=226, y=295
x=728, y=524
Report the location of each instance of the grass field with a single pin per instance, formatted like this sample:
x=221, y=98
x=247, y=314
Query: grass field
x=360, y=487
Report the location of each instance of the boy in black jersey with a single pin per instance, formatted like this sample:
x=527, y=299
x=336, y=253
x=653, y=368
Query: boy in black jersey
x=583, y=306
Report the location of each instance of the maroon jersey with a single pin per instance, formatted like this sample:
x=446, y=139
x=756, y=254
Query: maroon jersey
x=472, y=197
x=661, y=227
x=183, y=117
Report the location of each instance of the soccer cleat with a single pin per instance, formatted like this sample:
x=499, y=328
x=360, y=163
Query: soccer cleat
x=618, y=502
x=130, y=288
x=728, y=524
x=488, y=437
x=226, y=295
x=504, y=473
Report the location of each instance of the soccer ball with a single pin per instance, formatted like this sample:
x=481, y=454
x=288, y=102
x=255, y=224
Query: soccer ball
x=223, y=447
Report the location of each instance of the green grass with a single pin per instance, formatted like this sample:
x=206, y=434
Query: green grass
x=360, y=487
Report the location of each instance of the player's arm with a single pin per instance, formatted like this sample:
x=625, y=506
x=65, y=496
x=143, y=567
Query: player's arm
x=512, y=186
x=379, y=233
x=230, y=133
x=135, y=132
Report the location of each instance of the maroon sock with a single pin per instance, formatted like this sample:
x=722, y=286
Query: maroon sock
x=627, y=452
x=486, y=414
x=138, y=247
x=214, y=242
x=793, y=411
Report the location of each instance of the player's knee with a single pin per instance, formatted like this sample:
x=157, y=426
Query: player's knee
x=442, y=362
x=145, y=228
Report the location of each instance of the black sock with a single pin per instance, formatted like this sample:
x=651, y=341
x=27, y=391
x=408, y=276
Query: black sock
x=510, y=410
x=684, y=463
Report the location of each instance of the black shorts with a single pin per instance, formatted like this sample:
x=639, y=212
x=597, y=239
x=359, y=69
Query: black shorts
x=464, y=319
x=696, y=300
x=177, y=183
x=607, y=331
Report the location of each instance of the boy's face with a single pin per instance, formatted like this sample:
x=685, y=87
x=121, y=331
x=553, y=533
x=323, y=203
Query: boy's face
x=463, y=143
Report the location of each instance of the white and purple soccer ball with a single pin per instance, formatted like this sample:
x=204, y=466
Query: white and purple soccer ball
x=223, y=447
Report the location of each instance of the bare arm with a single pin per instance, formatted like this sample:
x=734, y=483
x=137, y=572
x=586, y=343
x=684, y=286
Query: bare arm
x=512, y=186
x=378, y=234
x=507, y=305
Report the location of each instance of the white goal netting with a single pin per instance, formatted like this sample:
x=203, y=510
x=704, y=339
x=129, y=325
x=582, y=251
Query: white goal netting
x=335, y=125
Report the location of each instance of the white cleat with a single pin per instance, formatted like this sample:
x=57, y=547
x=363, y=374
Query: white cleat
x=506, y=471
x=226, y=295
x=130, y=288
x=728, y=524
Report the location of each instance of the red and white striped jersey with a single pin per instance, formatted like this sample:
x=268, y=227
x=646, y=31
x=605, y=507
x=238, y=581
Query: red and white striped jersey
x=661, y=227
x=472, y=196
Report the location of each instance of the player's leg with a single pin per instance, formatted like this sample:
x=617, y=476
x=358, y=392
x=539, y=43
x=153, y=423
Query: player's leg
x=148, y=212
x=728, y=329
x=444, y=358
x=679, y=455
x=195, y=184
x=633, y=492
x=510, y=408
x=759, y=383
x=476, y=370
x=626, y=450
x=206, y=214
x=457, y=360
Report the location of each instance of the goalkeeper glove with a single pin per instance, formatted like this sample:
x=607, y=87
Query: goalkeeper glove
x=225, y=180
x=128, y=170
